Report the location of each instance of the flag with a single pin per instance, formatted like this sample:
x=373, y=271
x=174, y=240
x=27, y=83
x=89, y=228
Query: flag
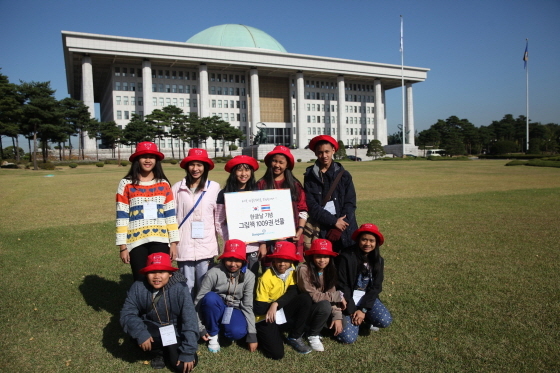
x=526, y=55
x=401, y=35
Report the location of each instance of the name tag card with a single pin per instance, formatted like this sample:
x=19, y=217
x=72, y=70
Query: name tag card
x=358, y=294
x=150, y=210
x=168, y=336
x=226, y=319
x=197, y=230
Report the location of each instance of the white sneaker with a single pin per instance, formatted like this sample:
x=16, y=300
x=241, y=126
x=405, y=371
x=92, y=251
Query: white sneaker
x=315, y=343
x=373, y=328
x=213, y=344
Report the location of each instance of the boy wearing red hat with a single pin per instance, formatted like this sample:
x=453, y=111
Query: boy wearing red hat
x=337, y=216
x=159, y=315
x=277, y=292
x=225, y=299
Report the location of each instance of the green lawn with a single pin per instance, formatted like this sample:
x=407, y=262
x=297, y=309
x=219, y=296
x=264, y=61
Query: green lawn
x=472, y=272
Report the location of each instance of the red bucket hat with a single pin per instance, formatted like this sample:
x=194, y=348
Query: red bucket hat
x=320, y=247
x=280, y=150
x=158, y=262
x=316, y=139
x=241, y=159
x=196, y=154
x=369, y=228
x=234, y=249
x=146, y=147
x=284, y=250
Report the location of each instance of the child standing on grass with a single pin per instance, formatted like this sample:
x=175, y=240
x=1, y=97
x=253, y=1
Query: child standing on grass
x=197, y=217
x=159, y=315
x=317, y=277
x=277, y=292
x=241, y=179
x=146, y=221
x=280, y=163
x=225, y=299
x=360, y=278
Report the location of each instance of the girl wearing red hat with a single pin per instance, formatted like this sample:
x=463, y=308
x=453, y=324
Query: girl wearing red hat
x=360, y=278
x=241, y=179
x=225, y=299
x=317, y=277
x=280, y=163
x=146, y=221
x=277, y=292
x=197, y=217
x=337, y=216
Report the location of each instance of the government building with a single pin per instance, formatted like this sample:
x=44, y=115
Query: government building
x=242, y=75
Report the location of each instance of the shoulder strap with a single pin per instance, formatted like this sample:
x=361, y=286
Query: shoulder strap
x=333, y=186
x=194, y=207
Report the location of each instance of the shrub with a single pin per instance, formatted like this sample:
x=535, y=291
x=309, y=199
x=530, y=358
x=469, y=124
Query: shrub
x=543, y=163
x=233, y=147
x=125, y=163
x=45, y=166
x=72, y=165
x=299, y=160
x=100, y=164
x=516, y=163
x=173, y=161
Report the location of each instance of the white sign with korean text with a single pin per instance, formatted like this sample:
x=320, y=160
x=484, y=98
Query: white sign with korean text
x=260, y=215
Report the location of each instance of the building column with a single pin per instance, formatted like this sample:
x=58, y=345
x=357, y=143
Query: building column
x=87, y=98
x=300, y=112
x=255, y=102
x=409, y=114
x=203, y=101
x=380, y=129
x=147, y=87
x=341, y=113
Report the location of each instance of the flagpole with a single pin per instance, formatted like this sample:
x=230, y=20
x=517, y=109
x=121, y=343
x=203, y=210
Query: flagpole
x=526, y=59
x=402, y=89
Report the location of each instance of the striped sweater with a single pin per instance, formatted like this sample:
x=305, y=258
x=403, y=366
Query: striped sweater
x=132, y=228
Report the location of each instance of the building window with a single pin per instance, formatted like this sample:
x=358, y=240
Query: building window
x=119, y=114
x=140, y=101
x=125, y=100
x=167, y=88
x=118, y=99
x=219, y=103
x=187, y=89
x=219, y=91
x=180, y=88
x=231, y=91
x=167, y=101
x=238, y=116
x=174, y=75
x=161, y=88
x=117, y=86
x=188, y=102
x=187, y=75
x=181, y=102
x=154, y=101
x=243, y=92
x=231, y=104
x=194, y=102
x=243, y=104
x=126, y=115
x=193, y=89
x=212, y=77
x=154, y=87
x=174, y=88
x=225, y=104
x=175, y=102
x=160, y=74
x=161, y=101
x=244, y=117
x=117, y=71
x=214, y=103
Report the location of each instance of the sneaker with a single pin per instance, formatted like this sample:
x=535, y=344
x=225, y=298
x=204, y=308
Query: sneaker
x=374, y=328
x=158, y=362
x=299, y=346
x=213, y=344
x=315, y=342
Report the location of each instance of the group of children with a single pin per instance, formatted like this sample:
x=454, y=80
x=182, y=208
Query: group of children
x=337, y=285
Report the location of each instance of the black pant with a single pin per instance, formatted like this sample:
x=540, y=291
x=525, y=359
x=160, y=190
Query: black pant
x=139, y=255
x=269, y=335
x=170, y=353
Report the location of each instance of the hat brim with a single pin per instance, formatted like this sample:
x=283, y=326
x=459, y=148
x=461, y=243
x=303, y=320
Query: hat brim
x=157, y=268
x=230, y=165
x=320, y=252
x=158, y=155
x=377, y=234
x=283, y=256
x=289, y=157
x=329, y=139
x=233, y=256
x=206, y=160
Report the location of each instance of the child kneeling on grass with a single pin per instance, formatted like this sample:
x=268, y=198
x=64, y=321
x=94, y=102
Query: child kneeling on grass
x=317, y=277
x=159, y=314
x=225, y=299
x=360, y=278
x=277, y=294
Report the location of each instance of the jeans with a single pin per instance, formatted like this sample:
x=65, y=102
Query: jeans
x=194, y=272
x=212, y=308
x=379, y=316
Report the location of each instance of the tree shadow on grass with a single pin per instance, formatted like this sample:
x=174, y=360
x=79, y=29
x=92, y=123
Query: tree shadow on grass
x=105, y=295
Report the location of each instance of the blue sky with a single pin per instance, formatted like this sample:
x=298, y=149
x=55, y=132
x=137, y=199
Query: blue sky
x=473, y=48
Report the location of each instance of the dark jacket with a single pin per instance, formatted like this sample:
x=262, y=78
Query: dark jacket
x=349, y=263
x=137, y=310
x=343, y=197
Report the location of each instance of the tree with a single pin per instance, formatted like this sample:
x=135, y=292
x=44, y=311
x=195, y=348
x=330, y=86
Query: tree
x=41, y=114
x=111, y=135
x=10, y=112
x=341, y=152
x=222, y=130
x=10, y=153
x=198, y=129
x=77, y=117
x=137, y=130
x=375, y=149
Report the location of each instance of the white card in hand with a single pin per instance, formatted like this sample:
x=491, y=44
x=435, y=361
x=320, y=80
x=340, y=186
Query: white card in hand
x=281, y=317
x=330, y=207
x=358, y=294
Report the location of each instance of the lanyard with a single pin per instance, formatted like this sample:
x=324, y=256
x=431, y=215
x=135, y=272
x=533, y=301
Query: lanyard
x=166, y=310
x=194, y=207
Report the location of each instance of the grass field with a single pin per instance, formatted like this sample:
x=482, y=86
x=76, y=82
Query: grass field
x=472, y=273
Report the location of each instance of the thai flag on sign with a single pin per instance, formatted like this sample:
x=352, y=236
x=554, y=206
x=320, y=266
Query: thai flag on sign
x=265, y=208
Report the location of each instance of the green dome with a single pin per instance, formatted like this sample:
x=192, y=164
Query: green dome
x=239, y=36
